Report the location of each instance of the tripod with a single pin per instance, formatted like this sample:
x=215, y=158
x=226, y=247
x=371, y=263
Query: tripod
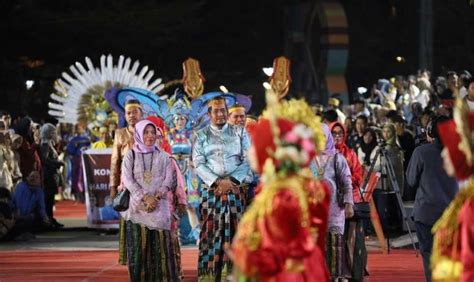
x=382, y=153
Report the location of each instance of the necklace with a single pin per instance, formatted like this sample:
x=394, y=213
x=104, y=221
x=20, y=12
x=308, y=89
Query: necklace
x=147, y=175
x=318, y=166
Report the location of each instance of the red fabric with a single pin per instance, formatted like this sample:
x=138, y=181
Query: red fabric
x=160, y=124
x=262, y=140
x=466, y=220
x=451, y=140
x=352, y=161
x=29, y=158
x=283, y=237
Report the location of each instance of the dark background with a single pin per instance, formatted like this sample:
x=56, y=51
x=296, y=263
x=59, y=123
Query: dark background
x=233, y=40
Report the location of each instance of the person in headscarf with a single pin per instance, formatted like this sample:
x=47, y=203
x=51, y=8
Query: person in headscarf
x=332, y=167
x=354, y=228
x=177, y=195
x=368, y=149
x=149, y=175
x=281, y=236
x=52, y=177
x=395, y=156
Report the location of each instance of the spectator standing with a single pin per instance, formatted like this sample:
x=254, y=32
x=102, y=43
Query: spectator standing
x=434, y=191
x=51, y=164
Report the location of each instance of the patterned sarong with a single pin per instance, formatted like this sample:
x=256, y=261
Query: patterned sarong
x=152, y=254
x=335, y=256
x=220, y=217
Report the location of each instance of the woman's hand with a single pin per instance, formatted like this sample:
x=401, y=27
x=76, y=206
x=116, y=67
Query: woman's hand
x=349, y=210
x=150, y=203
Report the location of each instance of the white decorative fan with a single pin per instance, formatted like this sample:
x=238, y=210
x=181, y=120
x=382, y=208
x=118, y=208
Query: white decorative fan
x=77, y=94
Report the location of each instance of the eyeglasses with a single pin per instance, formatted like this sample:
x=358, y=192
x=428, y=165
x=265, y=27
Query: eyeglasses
x=337, y=133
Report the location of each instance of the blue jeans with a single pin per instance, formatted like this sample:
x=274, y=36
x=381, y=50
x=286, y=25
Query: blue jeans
x=425, y=240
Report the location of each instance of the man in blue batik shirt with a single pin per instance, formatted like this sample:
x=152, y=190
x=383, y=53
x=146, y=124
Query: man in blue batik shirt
x=220, y=161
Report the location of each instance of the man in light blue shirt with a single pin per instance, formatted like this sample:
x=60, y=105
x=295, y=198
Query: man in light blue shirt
x=220, y=161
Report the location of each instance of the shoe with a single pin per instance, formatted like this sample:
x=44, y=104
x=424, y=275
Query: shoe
x=56, y=224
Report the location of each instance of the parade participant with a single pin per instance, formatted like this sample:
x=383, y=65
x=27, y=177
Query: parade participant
x=220, y=161
x=433, y=190
x=148, y=174
x=453, y=251
x=332, y=167
x=180, y=141
x=52, y=178
x=177, y=195
x=105, y=140
x=123, y=141
x=75, y=147
x=250, y=120
x=281, y=236
x=237, y=115
x=354, y=228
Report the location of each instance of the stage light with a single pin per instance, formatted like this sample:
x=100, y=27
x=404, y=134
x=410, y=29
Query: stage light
x=361, y=90
x=223, y=89
x=29, y=84
x=400, y=59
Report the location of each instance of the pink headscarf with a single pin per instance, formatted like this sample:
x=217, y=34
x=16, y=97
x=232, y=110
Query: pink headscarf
x=139, y=146
x=330, y=148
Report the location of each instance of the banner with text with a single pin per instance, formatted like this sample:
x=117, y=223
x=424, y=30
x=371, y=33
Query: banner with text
x=96, y=168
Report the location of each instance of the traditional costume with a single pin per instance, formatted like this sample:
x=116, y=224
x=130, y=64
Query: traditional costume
x=332, y=167
x=453, y=245
x=281, y=236
x=218, y=153
x=356, y=253
x=146, y=170
x=123, y=142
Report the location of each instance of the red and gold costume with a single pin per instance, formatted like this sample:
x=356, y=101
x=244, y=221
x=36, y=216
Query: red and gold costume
x=281, y=237
x=453, y=245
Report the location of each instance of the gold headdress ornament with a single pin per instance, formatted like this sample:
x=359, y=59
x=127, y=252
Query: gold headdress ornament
x=217, y=101
x=280, y=79
x=236, y=107
x=297, y=111
x=193, y=80
x=132, y=104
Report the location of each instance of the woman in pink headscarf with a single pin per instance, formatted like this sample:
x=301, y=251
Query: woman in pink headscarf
x=332, y=167
x=148, y=173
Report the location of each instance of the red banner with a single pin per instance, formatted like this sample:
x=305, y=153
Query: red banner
x=100, y=214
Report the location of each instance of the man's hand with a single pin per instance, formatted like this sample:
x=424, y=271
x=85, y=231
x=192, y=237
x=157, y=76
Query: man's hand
x=226, y=185
x=349, y=210
x=113, y=191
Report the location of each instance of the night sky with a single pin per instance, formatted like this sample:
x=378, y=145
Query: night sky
x=232, y=40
